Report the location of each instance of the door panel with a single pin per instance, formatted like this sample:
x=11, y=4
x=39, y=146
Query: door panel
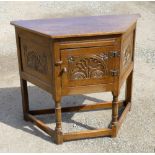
x=87, y=66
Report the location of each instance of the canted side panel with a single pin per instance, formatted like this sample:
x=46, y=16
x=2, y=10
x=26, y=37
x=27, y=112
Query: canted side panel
x=127, y=52
x=127, y=56
x=36, y=58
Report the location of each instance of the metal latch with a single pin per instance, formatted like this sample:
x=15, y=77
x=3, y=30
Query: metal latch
x=114, y=72
x=115, y=54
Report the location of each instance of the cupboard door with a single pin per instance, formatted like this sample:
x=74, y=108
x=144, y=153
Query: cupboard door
x=88, y=66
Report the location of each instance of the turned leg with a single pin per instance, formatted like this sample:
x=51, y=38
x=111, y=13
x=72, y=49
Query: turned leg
x=58, y=128
x=114, y=115
x=25, y=101
x=128, y=91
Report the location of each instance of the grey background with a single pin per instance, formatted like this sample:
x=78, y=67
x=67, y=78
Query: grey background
x=138, y=131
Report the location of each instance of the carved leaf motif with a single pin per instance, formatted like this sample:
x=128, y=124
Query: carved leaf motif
x=127, y=56
x=35, y=60
x=94, y=66
x=128, y=52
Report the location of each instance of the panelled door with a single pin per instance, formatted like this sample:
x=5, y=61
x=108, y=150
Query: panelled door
x=89, y=66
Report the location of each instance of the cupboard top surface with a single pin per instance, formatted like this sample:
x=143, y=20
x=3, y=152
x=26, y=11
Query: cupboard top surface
x=79, y=26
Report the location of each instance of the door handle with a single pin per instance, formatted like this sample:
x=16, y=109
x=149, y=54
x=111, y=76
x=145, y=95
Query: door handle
x=58, y=63
x=64, y=70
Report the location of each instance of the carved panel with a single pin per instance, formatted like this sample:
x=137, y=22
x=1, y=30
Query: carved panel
x=87, y=67
x=127, y=56
x=127, y=53
x=35, y=60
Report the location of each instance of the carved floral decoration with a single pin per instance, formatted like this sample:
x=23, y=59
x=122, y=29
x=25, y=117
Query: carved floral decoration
x=127, y=56
x=84, y=67
x=35, y=60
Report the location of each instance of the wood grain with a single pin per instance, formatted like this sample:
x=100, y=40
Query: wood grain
x=79, y=26
x=86, y=107
x=41, y=125
x=79, y=55
x=87, y=134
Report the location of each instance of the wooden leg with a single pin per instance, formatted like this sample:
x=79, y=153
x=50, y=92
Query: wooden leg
x=25, y=101
x=128, y=91
x=58, y=129
x=114, y=115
